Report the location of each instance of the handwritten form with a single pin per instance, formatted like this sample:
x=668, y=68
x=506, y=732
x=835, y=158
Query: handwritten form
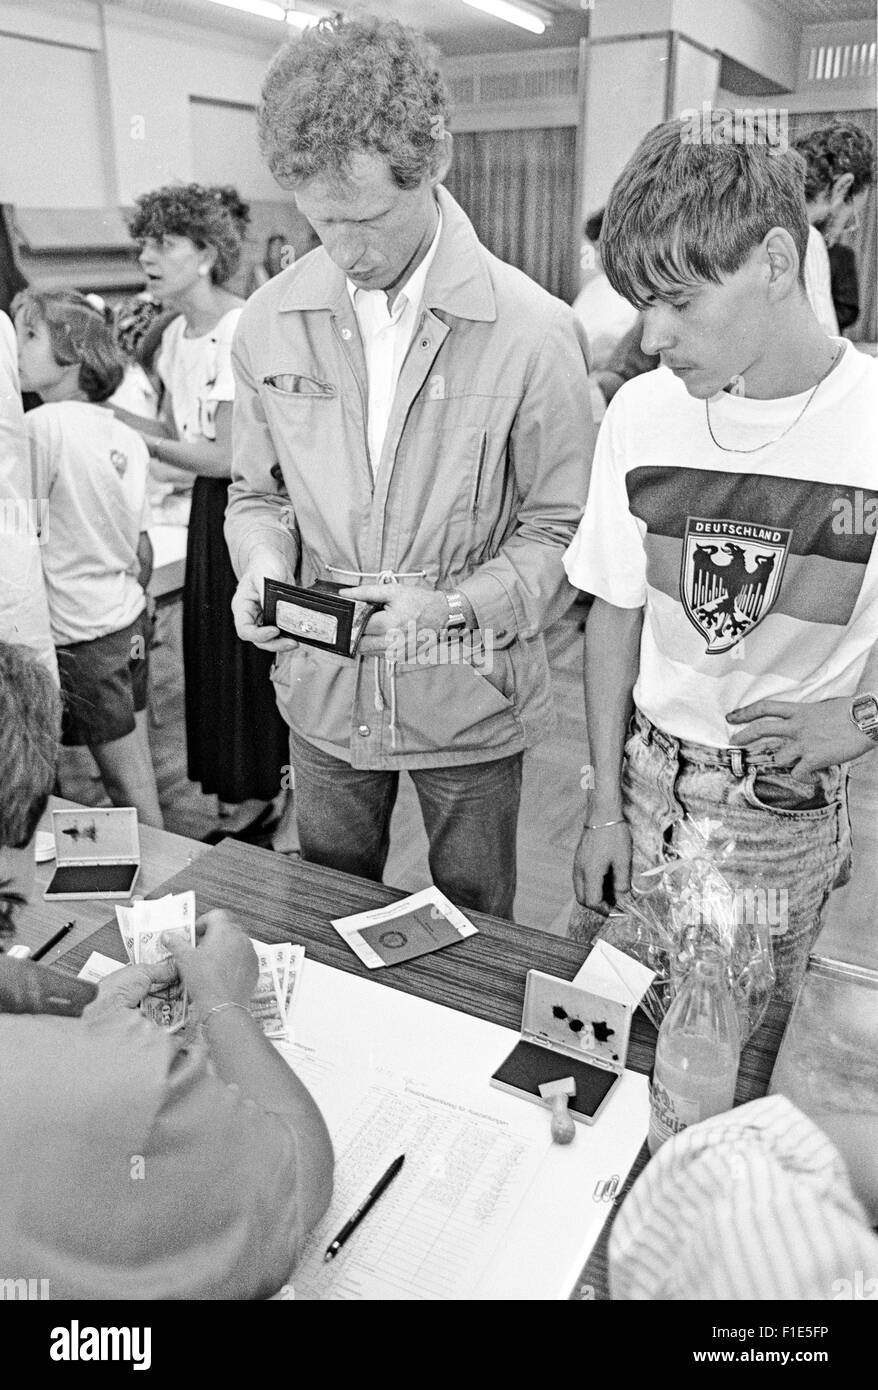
x=485, y=1207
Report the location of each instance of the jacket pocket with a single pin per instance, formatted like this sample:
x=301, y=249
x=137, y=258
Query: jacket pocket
x=480, y=471
x=291, y=384
x=315, y=694
x=454, y=708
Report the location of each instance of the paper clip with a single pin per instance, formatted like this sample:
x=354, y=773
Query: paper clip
x=606, y=1188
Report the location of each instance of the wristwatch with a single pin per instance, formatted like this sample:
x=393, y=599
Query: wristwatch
x=864, y=713
x=456, y=620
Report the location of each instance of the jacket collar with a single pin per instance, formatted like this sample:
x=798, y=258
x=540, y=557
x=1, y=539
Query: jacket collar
x=457, y=282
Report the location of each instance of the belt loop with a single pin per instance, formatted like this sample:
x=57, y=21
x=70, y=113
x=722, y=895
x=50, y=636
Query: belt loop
x=669, y=745
x=737, y=762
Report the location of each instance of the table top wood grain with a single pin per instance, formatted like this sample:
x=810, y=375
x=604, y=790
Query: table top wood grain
x=283, y=899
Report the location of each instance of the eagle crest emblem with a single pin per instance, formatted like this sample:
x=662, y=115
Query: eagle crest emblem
x=730, y=577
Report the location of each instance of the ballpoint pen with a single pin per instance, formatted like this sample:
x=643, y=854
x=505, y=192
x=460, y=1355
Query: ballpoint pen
x=365, y=1206
x=53, y=941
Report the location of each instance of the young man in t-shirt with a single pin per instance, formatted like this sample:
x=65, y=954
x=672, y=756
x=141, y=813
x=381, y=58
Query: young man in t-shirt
x=729, y=540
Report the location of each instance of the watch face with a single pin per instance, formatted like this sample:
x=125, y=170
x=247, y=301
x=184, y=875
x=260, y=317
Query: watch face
x=864, y=711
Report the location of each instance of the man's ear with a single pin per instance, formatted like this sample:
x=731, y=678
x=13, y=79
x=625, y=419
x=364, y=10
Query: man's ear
x=782, y=259
x=442, y=157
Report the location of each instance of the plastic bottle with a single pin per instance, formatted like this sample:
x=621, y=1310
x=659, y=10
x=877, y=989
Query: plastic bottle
x=697, y=1052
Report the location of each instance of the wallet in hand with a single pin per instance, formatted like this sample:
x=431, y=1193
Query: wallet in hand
x=317, y=615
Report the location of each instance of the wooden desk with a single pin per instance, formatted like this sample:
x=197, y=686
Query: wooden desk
x=161, y=856
x=281, y=899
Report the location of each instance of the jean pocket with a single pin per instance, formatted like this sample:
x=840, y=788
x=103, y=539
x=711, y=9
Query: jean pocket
x=806, y=796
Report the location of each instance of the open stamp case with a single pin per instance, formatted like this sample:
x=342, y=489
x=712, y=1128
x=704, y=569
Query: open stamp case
x=97, y=853
x=567, y=1031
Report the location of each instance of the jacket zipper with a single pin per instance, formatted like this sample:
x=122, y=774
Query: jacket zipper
x=483, y=446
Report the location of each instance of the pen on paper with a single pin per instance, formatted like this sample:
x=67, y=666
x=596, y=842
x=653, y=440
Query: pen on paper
x=363, y=1209
x=53, y=941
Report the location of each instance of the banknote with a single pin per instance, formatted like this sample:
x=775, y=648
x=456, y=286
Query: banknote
x=142, y=927
x=280, y=970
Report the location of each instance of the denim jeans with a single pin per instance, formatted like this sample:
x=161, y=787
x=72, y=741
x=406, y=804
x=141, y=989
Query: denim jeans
x=791, y=830
x=470, y=814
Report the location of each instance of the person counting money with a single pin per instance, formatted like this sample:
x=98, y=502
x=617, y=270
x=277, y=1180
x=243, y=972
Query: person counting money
x=132, y=1167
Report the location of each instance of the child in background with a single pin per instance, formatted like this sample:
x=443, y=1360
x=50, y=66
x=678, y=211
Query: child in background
x=92, y=469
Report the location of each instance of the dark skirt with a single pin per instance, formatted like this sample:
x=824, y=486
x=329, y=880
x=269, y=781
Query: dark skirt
x=237, y=742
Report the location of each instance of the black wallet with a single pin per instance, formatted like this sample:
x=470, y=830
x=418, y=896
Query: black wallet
x=317, y=615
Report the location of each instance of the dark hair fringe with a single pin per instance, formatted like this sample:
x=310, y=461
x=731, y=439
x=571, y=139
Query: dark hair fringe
x=685, y=213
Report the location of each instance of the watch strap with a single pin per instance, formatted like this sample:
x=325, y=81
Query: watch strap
x=456, y=620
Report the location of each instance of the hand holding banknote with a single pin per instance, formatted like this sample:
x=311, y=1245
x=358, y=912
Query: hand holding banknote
x=125, y=989
x=147, y=926
x=222, y=967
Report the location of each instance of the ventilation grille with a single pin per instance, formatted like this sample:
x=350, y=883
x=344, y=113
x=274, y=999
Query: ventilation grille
x=489, y=82
x=842, y=63
x=528, y=86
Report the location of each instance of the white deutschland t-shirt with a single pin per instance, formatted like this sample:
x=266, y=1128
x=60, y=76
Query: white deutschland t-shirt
x=93, y=470
x=758, y=572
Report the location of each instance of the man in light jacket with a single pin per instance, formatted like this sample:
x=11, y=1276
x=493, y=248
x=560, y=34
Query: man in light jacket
x=412, y=421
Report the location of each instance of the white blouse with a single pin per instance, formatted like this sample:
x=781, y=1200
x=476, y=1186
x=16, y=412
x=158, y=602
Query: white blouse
x=198, y=374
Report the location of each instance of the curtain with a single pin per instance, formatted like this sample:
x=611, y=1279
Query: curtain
x=518, y=189
x=863, y=241
x=11, y=278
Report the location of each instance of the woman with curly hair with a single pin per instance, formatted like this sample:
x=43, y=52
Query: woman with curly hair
x=189, y=239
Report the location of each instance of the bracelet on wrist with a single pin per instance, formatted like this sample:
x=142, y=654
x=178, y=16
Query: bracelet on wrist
x=604, y=824
x=217, y=1008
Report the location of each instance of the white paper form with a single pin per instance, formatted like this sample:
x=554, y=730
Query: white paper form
x=434, y=1231
x=485, y=1207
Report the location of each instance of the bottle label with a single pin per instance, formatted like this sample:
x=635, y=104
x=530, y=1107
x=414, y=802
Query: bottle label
x=669, y=1113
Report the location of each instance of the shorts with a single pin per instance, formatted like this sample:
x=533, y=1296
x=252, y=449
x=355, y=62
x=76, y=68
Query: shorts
x=104, y=684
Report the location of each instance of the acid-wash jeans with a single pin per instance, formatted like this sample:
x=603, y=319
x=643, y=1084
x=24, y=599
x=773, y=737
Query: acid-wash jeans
x=470, y=814
x=791, y=830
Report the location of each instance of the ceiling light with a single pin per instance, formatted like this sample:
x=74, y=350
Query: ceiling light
x=300, y=19
x=513, y=14
x=263, y=8
x=266, y=10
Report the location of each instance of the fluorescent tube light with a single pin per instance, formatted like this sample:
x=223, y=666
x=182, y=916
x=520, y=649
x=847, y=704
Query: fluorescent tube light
x=263, y=8
x=266, y=10
x=300, y=19
x=513, y=14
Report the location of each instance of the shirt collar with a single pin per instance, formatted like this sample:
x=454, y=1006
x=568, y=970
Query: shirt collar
x=412, y=292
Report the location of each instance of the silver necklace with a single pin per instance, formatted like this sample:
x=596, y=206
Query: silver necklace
x=769, y=442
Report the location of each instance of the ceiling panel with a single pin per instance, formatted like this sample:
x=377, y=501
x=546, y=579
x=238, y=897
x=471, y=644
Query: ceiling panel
x=825, y=11
x=457, y=29
x=452, y=25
